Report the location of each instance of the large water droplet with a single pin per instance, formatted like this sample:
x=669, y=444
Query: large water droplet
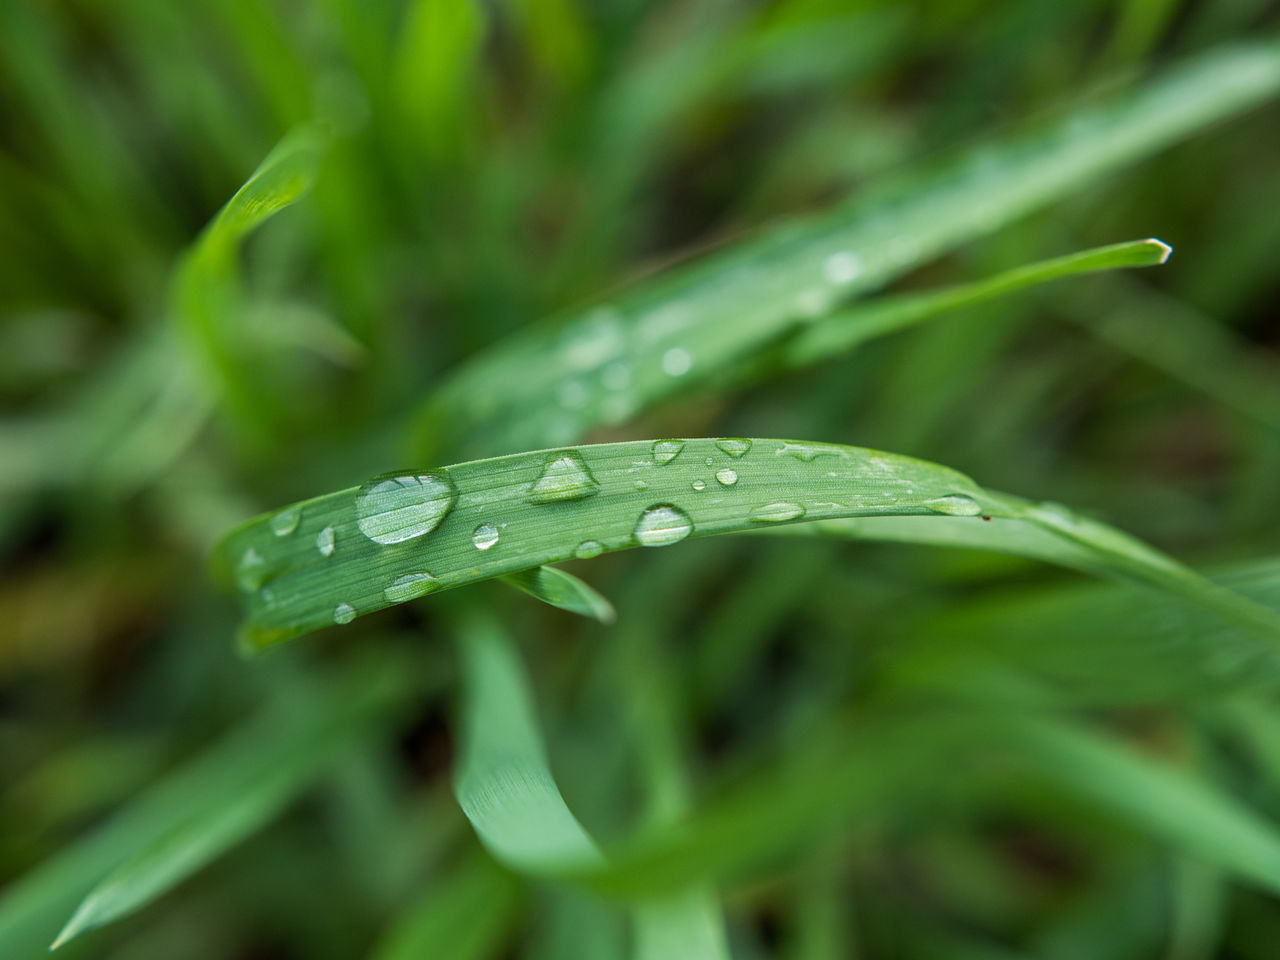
x=410, y=585
x=734, y=446
x=565, y=477
x=344, y=613
x=842, y=267
x=699, y=484
x=727, y=476
x=777, y=512
x=399, y=507
x=957, y=505
x=324, y=541
x=664, y=451
x=286, y=521
x=663, y=524
x=588, y=549
x=485, y=536
x=808, y=452
x=251, y=571
x=676, y=362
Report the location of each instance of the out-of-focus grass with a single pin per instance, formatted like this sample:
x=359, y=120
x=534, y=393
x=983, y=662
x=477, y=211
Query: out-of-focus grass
x=790, y=746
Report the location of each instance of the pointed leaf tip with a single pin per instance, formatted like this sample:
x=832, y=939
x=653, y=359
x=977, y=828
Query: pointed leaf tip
x=1166, y=251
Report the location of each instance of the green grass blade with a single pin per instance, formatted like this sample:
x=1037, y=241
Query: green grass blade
x=504, y=783
x=559, y=589
x=330, y=559
x=557, y=381
x=198, y=812
x=847, y=328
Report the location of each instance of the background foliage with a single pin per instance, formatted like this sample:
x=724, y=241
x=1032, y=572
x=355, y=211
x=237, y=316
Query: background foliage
x=255, y=252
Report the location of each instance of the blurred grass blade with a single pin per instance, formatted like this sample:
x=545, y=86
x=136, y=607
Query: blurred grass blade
x=330, y=559
x=503, y=783
x=559, y=589
x=557, y=381
x=847, y=328
x=464, y=916
x=197, y=812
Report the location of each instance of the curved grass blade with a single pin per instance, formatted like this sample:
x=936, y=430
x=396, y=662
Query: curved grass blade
x=195, y=814
x=330, y=559
x=563, y=590
x=559, y=380
x=847, y=328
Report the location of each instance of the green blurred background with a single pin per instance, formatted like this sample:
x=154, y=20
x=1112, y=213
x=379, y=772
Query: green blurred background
x=485, y=165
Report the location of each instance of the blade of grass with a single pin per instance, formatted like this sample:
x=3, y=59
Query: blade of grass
x=335, y=557
x=557, y=381
x=559, y=589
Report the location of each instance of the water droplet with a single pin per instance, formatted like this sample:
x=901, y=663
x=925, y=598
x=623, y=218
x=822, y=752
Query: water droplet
x=663, y=524
x=813, y=302
x=664, y=451
x=808, y=452
x=399, y=507
x=727, y=476
x=485, y=536
x=708, y=461
x=286, y=521
x=956, y=505
x=251, y=570
x=616, y=376
x=324, y=541
x=699, y=484
x=777, y=512
x=642, y=485
x=564, y=477
x=676, y=362
x=588, y=549
x=410, y=585
x=734, y=446
x=344, y=613
x=842, y=267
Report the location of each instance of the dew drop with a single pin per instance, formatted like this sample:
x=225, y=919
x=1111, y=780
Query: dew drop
x=699, y=485
x=344, y=613
x=734, y=446
x=564, y=477
x=664, y=451
x=808, y=452
x=777, y=512
x=251, y=571
x=286, y=521
x=676, y=362
x=956, y=505
x=642, y=485
x=325, y=541
x=399, y=507
x=663, y=524
x=410, y=585
x=588, y=549
x=727, y=476
x=485, y=536
x=842, y=267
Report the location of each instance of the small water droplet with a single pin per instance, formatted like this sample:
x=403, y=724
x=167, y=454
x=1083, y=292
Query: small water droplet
x=664, y=451
x=286, y=521
x=344, y=613
x=842, y=267
x=564, y=477
x=778, y=512
x=398, y=507
x=485, y=536
x=251, y=570
x=734, y=446
x=727, y=476
x=708, y=461
x=642, y=485
x=699, y=484
x=957, y=505
x=663, y=524
x=676, y=362
x=409, y=586
x=324, y=541
x=588, y=549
